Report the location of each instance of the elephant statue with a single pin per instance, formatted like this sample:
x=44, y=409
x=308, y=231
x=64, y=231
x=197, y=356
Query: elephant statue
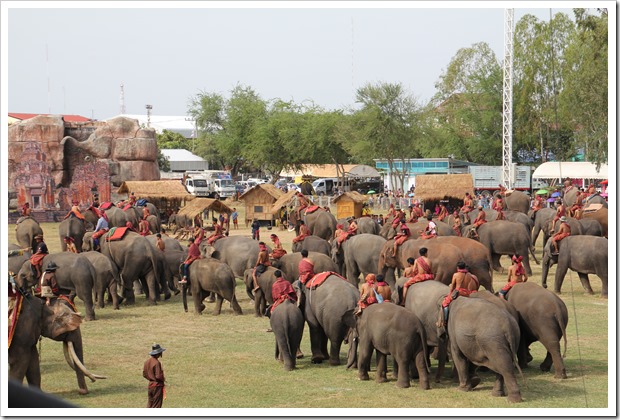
x=444, y=253
x=75, y=274
x=289, y=264
x=16, y=261
x=208, y=275
x=599, y=215
x=287, y=323
x=106, y=278
x=74, y=228
x=492, y=343
x=321, y=223
x=239, y=252
x=541, y=218
x=135, y=259
x=364, y=225
x=326, y=309
x=584, y=254
x=391, y=329
x=517, y=201
x=313, y=243
x=543, y=317
x=25, y=232
x=262, y=297
x=358, y=255
x=502, y=237
x=57, y=321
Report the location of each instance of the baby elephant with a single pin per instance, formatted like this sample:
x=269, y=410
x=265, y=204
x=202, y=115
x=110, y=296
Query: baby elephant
x=391, y=329
x=287, y=323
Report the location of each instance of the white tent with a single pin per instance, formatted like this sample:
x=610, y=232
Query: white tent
x=575, y=170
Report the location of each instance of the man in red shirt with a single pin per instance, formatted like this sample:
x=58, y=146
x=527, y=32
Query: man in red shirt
x=304, y=232
x=282, y=290
x=305, y=267
x=193, y=254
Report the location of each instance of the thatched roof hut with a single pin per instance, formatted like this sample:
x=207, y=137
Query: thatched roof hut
x=283, y=201
x=164, y=194
x=199, y=205
x=349, y=204
x=443, y=187
x=259, y=200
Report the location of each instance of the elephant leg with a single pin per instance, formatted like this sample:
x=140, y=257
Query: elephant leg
x=258, y=297
x=442, y=356
x=363, y=360
x=129, y=296
x=151, y=286
x=113, y=295
x=100, y=297
x=585, y=282
x=423, y=374
x=460, y=364
x=554, y=356
x=89, y=306
x=33, y=372
x=198, y=297
x=317, y=337
x=522, y=354
x=498, y=387
x=560, y=273
x=334, y=350
x=381, y=367
x=218, y=305
x=495, y=264
x=526, y=264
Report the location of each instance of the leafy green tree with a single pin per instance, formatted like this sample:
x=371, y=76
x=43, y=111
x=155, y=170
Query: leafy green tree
x=171, y=140
x=162, y=162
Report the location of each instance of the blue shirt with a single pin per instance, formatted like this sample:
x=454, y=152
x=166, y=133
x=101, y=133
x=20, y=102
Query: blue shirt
x=234, y=215
x=101, y=224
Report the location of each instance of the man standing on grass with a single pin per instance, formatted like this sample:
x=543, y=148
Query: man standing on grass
x=154, y=373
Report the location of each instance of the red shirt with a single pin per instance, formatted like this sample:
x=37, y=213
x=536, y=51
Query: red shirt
x=306, y=270
x=193, y=253
x=283, y=288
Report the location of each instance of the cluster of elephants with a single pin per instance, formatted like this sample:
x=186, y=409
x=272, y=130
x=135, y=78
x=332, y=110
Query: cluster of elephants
x=408, y=332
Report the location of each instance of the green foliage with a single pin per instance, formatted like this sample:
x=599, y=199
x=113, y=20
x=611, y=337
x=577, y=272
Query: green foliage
x=162, y=162
x=171, y=140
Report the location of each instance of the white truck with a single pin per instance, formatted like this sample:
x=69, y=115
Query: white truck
x=211, y=184
x=488, y=178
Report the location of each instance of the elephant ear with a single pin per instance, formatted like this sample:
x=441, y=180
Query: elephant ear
x=350, y=320
x=60, y=319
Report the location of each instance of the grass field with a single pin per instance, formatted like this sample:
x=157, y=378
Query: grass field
x=227, y=361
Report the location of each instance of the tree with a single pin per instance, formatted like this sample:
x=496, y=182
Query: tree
x=171, y=140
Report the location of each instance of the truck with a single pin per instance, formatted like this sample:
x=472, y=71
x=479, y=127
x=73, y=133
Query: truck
x=211, y=184
x=488, y=178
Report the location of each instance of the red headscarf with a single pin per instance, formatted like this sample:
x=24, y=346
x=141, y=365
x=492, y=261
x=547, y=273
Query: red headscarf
x=371, y=278
x=262, y=247
x=520, y=270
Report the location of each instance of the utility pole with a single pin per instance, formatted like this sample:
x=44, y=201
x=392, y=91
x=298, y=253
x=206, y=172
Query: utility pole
x=122, y=98
x=194, y=132
x=507, y=168
x=148, y=115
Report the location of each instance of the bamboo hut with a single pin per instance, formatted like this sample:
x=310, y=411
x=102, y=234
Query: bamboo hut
x=448, y=189
x=164, y=194
x=259, y=201
x=349, y=204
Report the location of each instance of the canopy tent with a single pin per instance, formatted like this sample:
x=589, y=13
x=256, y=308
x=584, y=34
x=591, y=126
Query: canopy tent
x=563, y=170
x=439, y=187
x=199, y=205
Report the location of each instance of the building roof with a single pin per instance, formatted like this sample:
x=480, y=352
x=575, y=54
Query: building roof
x=68, y=118
x=180, y=155
x=329, y=171
x=352, y=196
x=198, y=205
x=437, y=187
x=270, y=189
x=156, y=189
x=562, y=170
x=284, y=200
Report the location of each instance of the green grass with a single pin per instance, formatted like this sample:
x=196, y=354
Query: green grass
x=227, y=361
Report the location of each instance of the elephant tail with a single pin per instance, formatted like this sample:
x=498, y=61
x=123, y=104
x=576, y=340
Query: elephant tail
x=562, y=324
x=515, y=362
x=424, y=347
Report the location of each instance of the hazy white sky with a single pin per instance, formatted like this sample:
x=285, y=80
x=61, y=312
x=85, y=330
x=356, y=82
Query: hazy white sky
x=164, y=56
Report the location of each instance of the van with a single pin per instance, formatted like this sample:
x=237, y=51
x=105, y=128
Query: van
x=324, y=186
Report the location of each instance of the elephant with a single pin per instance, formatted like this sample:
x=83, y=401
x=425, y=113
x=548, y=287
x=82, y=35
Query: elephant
x=542, y=218
x=16, y=261
x=443, y=229
x=106, y=277
x=239, y=252
x=584, y=254
x=74, y=228
x=133, y=215
x=591, y=227
x=136, y=259
x=172, y=260
x=289, y=264
x=171, y=244
x=208, y=275
x=153, y=222
x=509, y=215
x=517, y=201
x=543, y=317
x=502, y=237
x=75, y=274
x=321, y=223
x=599, y=215
x=391, y=329
x=364, y=225
x=313, y=243
x=57, y=321
x=25, y=232
x=444, y=253
x=262, y=297
x=492, y=343
x=116, y=217
x=570, y=197
x=326, y=309
x=287, y=323
x=358, y=255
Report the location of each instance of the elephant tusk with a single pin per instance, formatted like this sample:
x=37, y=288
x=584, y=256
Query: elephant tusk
x=79, y=364
x=68, y=358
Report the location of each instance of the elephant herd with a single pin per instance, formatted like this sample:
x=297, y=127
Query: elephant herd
x=481, y=331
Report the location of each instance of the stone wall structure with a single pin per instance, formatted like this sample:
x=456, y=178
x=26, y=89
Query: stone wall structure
x=52, y=163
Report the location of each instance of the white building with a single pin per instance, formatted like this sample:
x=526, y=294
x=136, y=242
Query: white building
x=182, y=160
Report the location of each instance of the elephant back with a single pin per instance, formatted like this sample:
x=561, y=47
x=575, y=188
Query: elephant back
x=518, y=201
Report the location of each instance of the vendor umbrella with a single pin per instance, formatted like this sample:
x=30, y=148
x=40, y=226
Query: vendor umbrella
x=541, y=192
x=556, y=194
x=371, y=192
x=411, y=194
x=550, y=200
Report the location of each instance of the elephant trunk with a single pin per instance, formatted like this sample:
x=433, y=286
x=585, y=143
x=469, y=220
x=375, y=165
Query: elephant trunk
x=184, y=294
x=352, y=354
x=547, y=262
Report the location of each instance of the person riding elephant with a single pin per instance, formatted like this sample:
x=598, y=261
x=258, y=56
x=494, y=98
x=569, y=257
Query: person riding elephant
x=26, y=212
x=542, y=219
x=278, y=251
x=364, y=225
x=584, y=254
x=40, y=252
x=468, y=205
x=73, y=228
x=212, y=277
x=325, y=308
x=312, y=243
x=358, y=255
x=239, y=252
x=563, y=232
x=75, y=212
x=25, y=233
x=422, y=270
x=391, y=329
x=516, y=274
x=289, y=264
x=463, y=284
x=492, y=343
x=193, y=254
x=260, y=292
x=101, y=229
x=58, y=321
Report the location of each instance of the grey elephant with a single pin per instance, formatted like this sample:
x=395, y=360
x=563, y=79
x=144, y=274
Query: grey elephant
x=570, y=197
x=517, y=201
x=541, y=218
x=313, y=243
x=25, y=232
x=582, y=253
x=289, y=264
x=239, y=252
x=15, y=262
x=106, y=278
x=73, y=227
x=75, y=274
x=600, y=215
x=543, y=317
x=153, y=222
x=171, y=244
x=358, y=255
x=443, y=229
x=326, y=309
x=287, y=323
x=591, y=227
x=502, y=237
x=492, y=343
x=321, y=223
x=57, y=321
x=391, y=329
x=364, y=225
x=116, y=217
x=208, y=275
x=262, y=297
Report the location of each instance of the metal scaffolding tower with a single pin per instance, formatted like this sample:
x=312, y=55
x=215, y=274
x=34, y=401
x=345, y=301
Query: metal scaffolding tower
x=507, y=167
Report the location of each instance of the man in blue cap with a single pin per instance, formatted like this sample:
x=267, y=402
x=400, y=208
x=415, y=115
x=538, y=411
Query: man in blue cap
x=155, y=375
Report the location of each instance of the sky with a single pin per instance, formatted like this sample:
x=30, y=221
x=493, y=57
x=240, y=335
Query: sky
x=73, y=60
